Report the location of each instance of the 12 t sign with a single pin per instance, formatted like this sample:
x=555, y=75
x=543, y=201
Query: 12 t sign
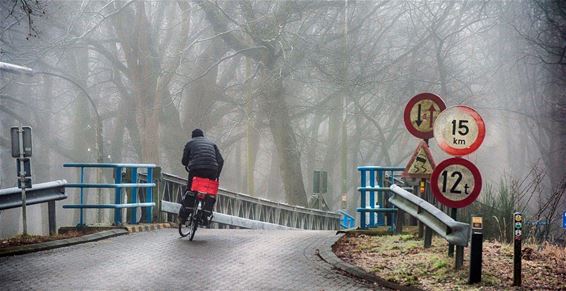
x=459, y=130
x=456, y=182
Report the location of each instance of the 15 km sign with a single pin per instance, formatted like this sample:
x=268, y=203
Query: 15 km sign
x=420, y=114
x=456, y=182
x=459, y=130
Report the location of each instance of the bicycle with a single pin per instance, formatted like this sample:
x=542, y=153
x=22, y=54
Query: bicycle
x=202, y=188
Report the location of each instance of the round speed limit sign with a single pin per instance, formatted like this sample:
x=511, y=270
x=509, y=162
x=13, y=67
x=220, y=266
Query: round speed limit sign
x=456, y=182
x=459, y=130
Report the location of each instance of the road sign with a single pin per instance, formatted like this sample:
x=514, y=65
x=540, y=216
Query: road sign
x=459, y=130
x=320, y=182
x=421, y=112
x=456, y=182
x=421, y=163
x=15, y=132
x=477, y=223
x=564, y=220
x=27, y=167
x=24, y=183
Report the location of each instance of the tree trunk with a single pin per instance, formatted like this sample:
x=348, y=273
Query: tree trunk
x=274, y=105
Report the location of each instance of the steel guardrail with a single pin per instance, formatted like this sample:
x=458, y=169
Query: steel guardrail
x=457, y=233
x=47, y=192
x=38, y=193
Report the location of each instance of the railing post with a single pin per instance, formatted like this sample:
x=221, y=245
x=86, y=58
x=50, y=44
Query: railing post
x=81, y=221
x=380, y=218
x=363, y=199
x=149, y=195
x=134, y=196
x=372, y=217
x=118, y=196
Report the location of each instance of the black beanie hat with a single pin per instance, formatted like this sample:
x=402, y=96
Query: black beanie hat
x=197, y=132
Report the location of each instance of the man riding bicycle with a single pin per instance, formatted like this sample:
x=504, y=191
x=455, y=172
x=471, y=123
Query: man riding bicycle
x=201, y=158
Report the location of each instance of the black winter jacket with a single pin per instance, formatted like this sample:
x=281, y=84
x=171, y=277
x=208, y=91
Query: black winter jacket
x=201, y=153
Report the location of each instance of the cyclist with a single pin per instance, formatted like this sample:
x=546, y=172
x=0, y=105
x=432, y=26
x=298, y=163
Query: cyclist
x=201, y=158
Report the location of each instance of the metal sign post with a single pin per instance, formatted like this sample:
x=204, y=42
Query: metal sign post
x=456, y=183
x=518, y=233
x=22, y=149
x=419, y=116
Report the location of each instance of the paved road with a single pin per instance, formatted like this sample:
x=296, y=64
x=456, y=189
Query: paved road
x=159, y=260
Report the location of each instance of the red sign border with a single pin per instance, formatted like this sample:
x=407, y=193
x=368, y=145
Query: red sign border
x=443, y=199
x=407, y=113
x=474, y=146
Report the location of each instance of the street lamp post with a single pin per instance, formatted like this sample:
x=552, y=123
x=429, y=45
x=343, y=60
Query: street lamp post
x=11, y=68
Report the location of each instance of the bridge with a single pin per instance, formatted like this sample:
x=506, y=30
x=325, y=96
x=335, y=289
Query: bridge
x=219, y=258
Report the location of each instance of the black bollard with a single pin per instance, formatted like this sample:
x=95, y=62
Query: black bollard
x=517, y=249
x=476, y=250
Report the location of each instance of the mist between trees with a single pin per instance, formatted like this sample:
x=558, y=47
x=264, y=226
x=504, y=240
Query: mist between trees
x=283, y=87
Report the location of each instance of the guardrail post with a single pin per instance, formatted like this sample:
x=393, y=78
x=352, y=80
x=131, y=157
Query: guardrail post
x=454, y=215
x=459, y=257
x=392, y=216
x=51, y=217
x=427, y=230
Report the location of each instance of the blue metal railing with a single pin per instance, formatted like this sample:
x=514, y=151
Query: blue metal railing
x=346, y=220
x=117, y=186
x=373, y=184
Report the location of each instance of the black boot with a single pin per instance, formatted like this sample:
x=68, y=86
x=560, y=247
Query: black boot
x=209, y=202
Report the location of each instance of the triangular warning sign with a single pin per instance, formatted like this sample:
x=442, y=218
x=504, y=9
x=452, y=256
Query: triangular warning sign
x=421, y=163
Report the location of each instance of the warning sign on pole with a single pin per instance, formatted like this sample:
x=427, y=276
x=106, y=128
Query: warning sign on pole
x=421, y=163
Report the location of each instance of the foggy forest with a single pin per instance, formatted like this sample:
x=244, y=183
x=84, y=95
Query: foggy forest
x=284, y=88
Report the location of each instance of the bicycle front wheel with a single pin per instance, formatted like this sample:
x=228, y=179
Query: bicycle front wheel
x=194, y=229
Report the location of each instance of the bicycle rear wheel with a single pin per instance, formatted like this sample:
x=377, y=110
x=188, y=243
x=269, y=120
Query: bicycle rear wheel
x=186, y=228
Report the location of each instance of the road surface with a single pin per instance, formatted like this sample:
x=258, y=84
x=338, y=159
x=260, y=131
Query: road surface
x=217, y=259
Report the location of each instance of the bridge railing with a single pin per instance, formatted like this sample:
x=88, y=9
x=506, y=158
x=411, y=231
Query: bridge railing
x=374, y=184
x=346, y=220
x=171, y=188
x=118, y=185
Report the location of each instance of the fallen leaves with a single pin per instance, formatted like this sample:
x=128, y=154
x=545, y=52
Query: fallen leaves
x=403, y=259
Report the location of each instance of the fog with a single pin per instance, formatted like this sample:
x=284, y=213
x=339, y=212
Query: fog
x=283, y=87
